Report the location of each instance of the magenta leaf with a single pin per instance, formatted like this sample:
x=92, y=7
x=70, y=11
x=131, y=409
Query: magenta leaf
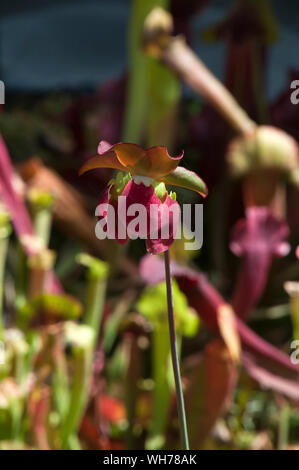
x=16, y=207
x=13, y=201
x=270, y=380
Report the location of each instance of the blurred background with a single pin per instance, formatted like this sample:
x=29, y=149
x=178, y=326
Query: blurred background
x=84, y=323
x=50, y=45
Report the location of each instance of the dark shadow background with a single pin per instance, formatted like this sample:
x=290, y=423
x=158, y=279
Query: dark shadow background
x=69, y=44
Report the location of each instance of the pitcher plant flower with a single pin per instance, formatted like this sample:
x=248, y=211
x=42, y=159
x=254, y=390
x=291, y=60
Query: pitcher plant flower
x=143, y=182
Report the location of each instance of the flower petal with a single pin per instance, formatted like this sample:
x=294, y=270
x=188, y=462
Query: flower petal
x=161, y=244
x=161, y=222
x=157, y=163
x=103, y=147
x=105, y=198
x=128, y=154
x=186, y=179
x=140, y=194
x=107, y=160
x=145, y=196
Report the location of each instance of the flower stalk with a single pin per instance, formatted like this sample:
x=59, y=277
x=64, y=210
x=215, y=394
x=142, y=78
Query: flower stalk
x=81, y=339
x=175, y=357
x=97, y=275
x=133, y=357
x=284, y=427
x=61, y=390
x=40, y=266
x=265, y=188
x=292, y=288
x=177, y=55
x=161, y=398
x=41, y=204
x=138, y=93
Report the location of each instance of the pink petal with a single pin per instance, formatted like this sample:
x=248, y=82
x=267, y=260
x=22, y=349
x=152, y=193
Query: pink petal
x=159, y=245
x=156, y=221
x=146, y=197
x=105, y=199
x=103, y=147
x=140, y=194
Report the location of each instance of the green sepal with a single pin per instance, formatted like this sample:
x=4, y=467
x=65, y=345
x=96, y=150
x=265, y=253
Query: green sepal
x=186, y=179
x=160, y=190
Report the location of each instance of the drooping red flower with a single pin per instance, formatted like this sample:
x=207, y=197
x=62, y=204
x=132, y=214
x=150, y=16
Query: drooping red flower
x=257, y=239
x=146, y=196
x=149, y=170
x=156, y=246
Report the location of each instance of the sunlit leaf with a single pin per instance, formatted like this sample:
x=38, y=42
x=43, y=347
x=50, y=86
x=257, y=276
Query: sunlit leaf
x=53, y=306
x=153, y=305
x=229, y=332
x=186, y=179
